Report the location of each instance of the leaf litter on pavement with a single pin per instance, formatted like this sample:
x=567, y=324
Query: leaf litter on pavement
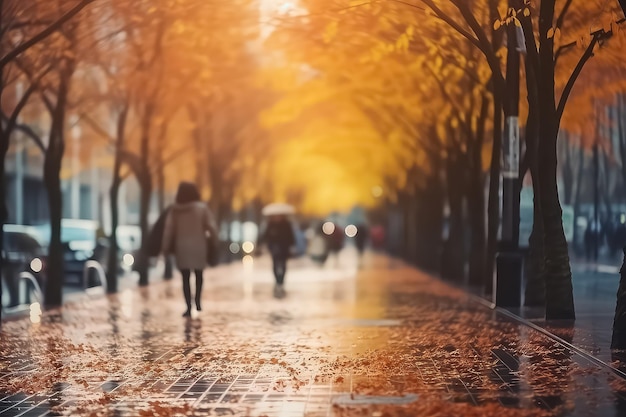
x=139, y=357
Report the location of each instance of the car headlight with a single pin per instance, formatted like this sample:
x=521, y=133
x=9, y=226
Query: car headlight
x=36, y=265
x=128, y=259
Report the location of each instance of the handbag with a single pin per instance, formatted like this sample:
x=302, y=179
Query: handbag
x=213, y=255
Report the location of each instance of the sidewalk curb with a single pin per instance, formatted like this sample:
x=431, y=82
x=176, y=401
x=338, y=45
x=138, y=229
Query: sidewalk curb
x=545, y=332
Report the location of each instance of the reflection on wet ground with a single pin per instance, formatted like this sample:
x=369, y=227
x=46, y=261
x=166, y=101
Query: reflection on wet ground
x=380, y=342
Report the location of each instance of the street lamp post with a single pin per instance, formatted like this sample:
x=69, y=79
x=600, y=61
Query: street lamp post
x=509, y=260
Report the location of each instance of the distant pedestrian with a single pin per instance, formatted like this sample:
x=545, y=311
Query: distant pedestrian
x=279, y=238
x=361, y=238
x=318, y=247
x=187, y=229
x=378, y=237
x=335, y=238
x=592, y=239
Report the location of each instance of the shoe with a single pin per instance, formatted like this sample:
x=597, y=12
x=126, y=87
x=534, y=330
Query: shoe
x=187, y=313
x=279, y=291
x=198, y=307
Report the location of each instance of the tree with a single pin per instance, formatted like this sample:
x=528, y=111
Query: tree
x=542, y=60
x=10, y=12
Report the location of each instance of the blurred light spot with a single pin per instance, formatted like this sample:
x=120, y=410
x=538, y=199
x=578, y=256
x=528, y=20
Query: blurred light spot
x=127, y=302
x=35, y=313
x=247, y=247
x=234, y=247
x=128, y=259
x=328, y=228
x=248, y=262
x=622, y=218
x=351, y=230
x=377, y=191
x=36, y=265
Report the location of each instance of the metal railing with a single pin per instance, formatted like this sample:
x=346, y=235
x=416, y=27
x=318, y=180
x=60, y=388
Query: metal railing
x=29, y=286
x=90, y=267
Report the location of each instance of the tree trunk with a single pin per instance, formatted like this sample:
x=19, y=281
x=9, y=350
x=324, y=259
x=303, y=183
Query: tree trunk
x=576, y=199
x=476, y=202
x=112, y=261
x=145, y=185
x=557, y=273
x=621, y=135
x=114, y=191
x=567, y=169
x=52, y=179
x=429, y=222
x=52, y=171
x=404, y=200
x=618, y=339
x=535, y=289
x=453, y=258
x=493, y=204
x=168, y=269
x=4, y=214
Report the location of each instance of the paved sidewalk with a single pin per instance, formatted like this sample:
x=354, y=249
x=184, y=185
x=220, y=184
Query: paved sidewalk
x=595, y=295
x=384, y=341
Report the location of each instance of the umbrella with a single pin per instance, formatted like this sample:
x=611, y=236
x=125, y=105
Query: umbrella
x=277, y=209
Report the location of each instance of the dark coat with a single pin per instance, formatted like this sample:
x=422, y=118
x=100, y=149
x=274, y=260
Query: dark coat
x=278, y=235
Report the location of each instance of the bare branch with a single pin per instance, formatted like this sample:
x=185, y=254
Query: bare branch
x=448, y=20
x=561, y=18
x=97, y=128
x=28, y=131
x=18, y=50
x=486, y=47
x=597, y=36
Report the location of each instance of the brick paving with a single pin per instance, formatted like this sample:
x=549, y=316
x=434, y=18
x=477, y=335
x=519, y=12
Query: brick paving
x=385, y=340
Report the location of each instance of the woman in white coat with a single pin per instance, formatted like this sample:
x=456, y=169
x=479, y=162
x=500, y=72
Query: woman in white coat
x=187, y=228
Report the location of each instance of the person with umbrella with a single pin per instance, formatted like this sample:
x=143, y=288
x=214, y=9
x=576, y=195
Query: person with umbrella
x=279, y=238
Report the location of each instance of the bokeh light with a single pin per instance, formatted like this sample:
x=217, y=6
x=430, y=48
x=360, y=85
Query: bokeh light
x=351, y=230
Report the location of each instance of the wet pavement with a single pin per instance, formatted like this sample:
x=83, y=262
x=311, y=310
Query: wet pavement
x=595, y=295
x=385, y=340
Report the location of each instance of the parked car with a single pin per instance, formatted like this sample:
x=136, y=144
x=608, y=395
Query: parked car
x=79, y=238
x=22, y=252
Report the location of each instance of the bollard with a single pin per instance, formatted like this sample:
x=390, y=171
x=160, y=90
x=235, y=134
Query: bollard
x=618, y=340
x=508, y=291
x=92, y=265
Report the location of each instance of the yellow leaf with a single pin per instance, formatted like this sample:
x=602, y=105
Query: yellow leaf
x=497, y=24
x=550, y=33
x=527, y=12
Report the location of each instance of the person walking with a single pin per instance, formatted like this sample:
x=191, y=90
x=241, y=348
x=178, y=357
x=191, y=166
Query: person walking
x=279, y=238
x=361, y=238
x=188, y=226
